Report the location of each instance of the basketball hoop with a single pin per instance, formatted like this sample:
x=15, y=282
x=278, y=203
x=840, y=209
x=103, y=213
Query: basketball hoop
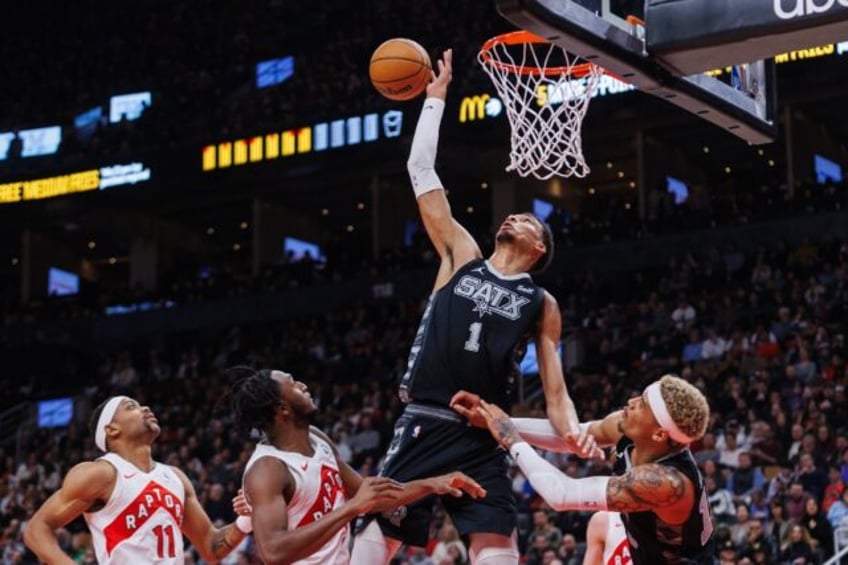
x=546, y=92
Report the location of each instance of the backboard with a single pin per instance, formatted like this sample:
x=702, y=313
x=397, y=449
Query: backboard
x=599, y=32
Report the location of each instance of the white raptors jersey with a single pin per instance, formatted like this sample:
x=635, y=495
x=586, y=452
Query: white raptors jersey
x=318, y=490
x=616, y=548
x=142, y=520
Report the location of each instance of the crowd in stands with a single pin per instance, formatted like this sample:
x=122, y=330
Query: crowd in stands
x=762, y=333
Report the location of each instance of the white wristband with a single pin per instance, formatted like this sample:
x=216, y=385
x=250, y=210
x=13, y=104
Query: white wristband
x=422, y=156
x=244, y=524
x=559, y=490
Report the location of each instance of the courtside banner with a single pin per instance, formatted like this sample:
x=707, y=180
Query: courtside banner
x=694, y=36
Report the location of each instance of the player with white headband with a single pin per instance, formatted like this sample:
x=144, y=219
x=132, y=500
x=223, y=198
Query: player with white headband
x=136, y=508
x=658, y=488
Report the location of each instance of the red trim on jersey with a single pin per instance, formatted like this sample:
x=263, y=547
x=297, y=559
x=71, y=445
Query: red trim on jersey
x=136, y=513
x=329, y=491
x=621, y=555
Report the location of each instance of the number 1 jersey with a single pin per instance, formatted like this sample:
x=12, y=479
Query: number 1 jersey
x=469, y=334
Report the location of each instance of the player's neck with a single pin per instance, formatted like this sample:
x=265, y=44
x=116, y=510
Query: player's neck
x=650, y=452
x=292, y=438
x=139, y=456
x=508, y=260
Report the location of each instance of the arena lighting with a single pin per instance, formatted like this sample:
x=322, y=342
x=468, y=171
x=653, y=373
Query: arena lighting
x=323, y=136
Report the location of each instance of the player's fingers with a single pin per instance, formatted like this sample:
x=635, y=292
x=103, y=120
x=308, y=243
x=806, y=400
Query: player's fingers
x=470, y=486
x=465, y=398
x=432, y=76
x=462, y=411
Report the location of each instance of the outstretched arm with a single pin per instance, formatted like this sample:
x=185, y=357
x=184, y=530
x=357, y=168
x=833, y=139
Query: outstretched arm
x=645, y=487
x=265, y=486
x=453, y=243
x=84, y=486
x=559, y=406
x=539, y=432
x=456, y=483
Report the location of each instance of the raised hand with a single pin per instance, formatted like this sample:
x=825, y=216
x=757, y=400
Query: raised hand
x=455, y=484
x=438, y=87
x=377, y=493
x=584, y=445
x=240, y=505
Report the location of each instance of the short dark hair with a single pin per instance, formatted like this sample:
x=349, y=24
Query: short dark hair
x=544, y=261
x=95, y=416
x=254, y=398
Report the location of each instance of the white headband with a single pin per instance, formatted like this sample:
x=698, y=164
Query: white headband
x=660, y=410
x=105, y=419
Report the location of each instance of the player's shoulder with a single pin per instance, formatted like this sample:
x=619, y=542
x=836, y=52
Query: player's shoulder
x=267, y=473
x=90, y=477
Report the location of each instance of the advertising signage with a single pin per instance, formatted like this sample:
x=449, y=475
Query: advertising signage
x=83, y=181
x=323, y=136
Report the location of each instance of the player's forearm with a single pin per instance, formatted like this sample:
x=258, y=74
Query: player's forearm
x=287, y=546
x=539, y=432
x=224, y=541
x=559, y=490
x=414, y=490
x=562, y=414
x=40, y=538
x=422, y=156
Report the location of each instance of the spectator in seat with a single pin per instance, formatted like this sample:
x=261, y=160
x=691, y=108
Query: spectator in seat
x=834, y=489
x=799, y=550
x=816, y=523
x=838, y=513
x=744, y=479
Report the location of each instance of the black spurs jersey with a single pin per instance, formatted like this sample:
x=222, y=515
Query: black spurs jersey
x=656, y=543
x=468, y=336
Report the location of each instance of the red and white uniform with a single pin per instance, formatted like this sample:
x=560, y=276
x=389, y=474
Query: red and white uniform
x=318, y=490
x=616, y=548
x=142, y=520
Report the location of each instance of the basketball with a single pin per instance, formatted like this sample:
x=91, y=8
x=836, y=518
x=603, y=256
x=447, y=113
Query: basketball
x=400, y=69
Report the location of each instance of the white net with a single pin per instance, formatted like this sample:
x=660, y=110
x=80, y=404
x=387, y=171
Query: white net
x=546, y=92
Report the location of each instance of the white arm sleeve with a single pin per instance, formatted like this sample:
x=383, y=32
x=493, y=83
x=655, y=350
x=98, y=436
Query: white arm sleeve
x=559, y=490
x=422, y=157
x=539, y=432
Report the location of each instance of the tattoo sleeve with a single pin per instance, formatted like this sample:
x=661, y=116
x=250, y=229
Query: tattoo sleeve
x=507, y=432
x=645, y=487
x=226, y=539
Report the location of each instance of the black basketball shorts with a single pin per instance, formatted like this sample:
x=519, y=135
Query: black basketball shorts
x=430, y=441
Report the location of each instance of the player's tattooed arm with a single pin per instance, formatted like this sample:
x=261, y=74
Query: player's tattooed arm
x=646, y=487
x=225, y=539
x=503, y=430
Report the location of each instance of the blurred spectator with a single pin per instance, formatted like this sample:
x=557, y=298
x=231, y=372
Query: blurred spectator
x=799, y=550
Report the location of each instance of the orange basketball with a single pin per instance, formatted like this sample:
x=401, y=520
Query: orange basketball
x=400, y=69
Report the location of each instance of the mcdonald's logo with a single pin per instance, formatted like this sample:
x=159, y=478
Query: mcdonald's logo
x=478, y=107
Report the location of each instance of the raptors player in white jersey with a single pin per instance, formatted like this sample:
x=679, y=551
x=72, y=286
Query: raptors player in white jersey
x=606, y=540
x=136, y=508
x=303, y=495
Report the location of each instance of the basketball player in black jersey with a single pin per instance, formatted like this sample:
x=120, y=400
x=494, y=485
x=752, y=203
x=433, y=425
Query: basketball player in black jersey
x=480, y=311
x=658, y=488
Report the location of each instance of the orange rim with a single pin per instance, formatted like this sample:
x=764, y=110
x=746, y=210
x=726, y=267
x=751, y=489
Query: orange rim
x=524, y=37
